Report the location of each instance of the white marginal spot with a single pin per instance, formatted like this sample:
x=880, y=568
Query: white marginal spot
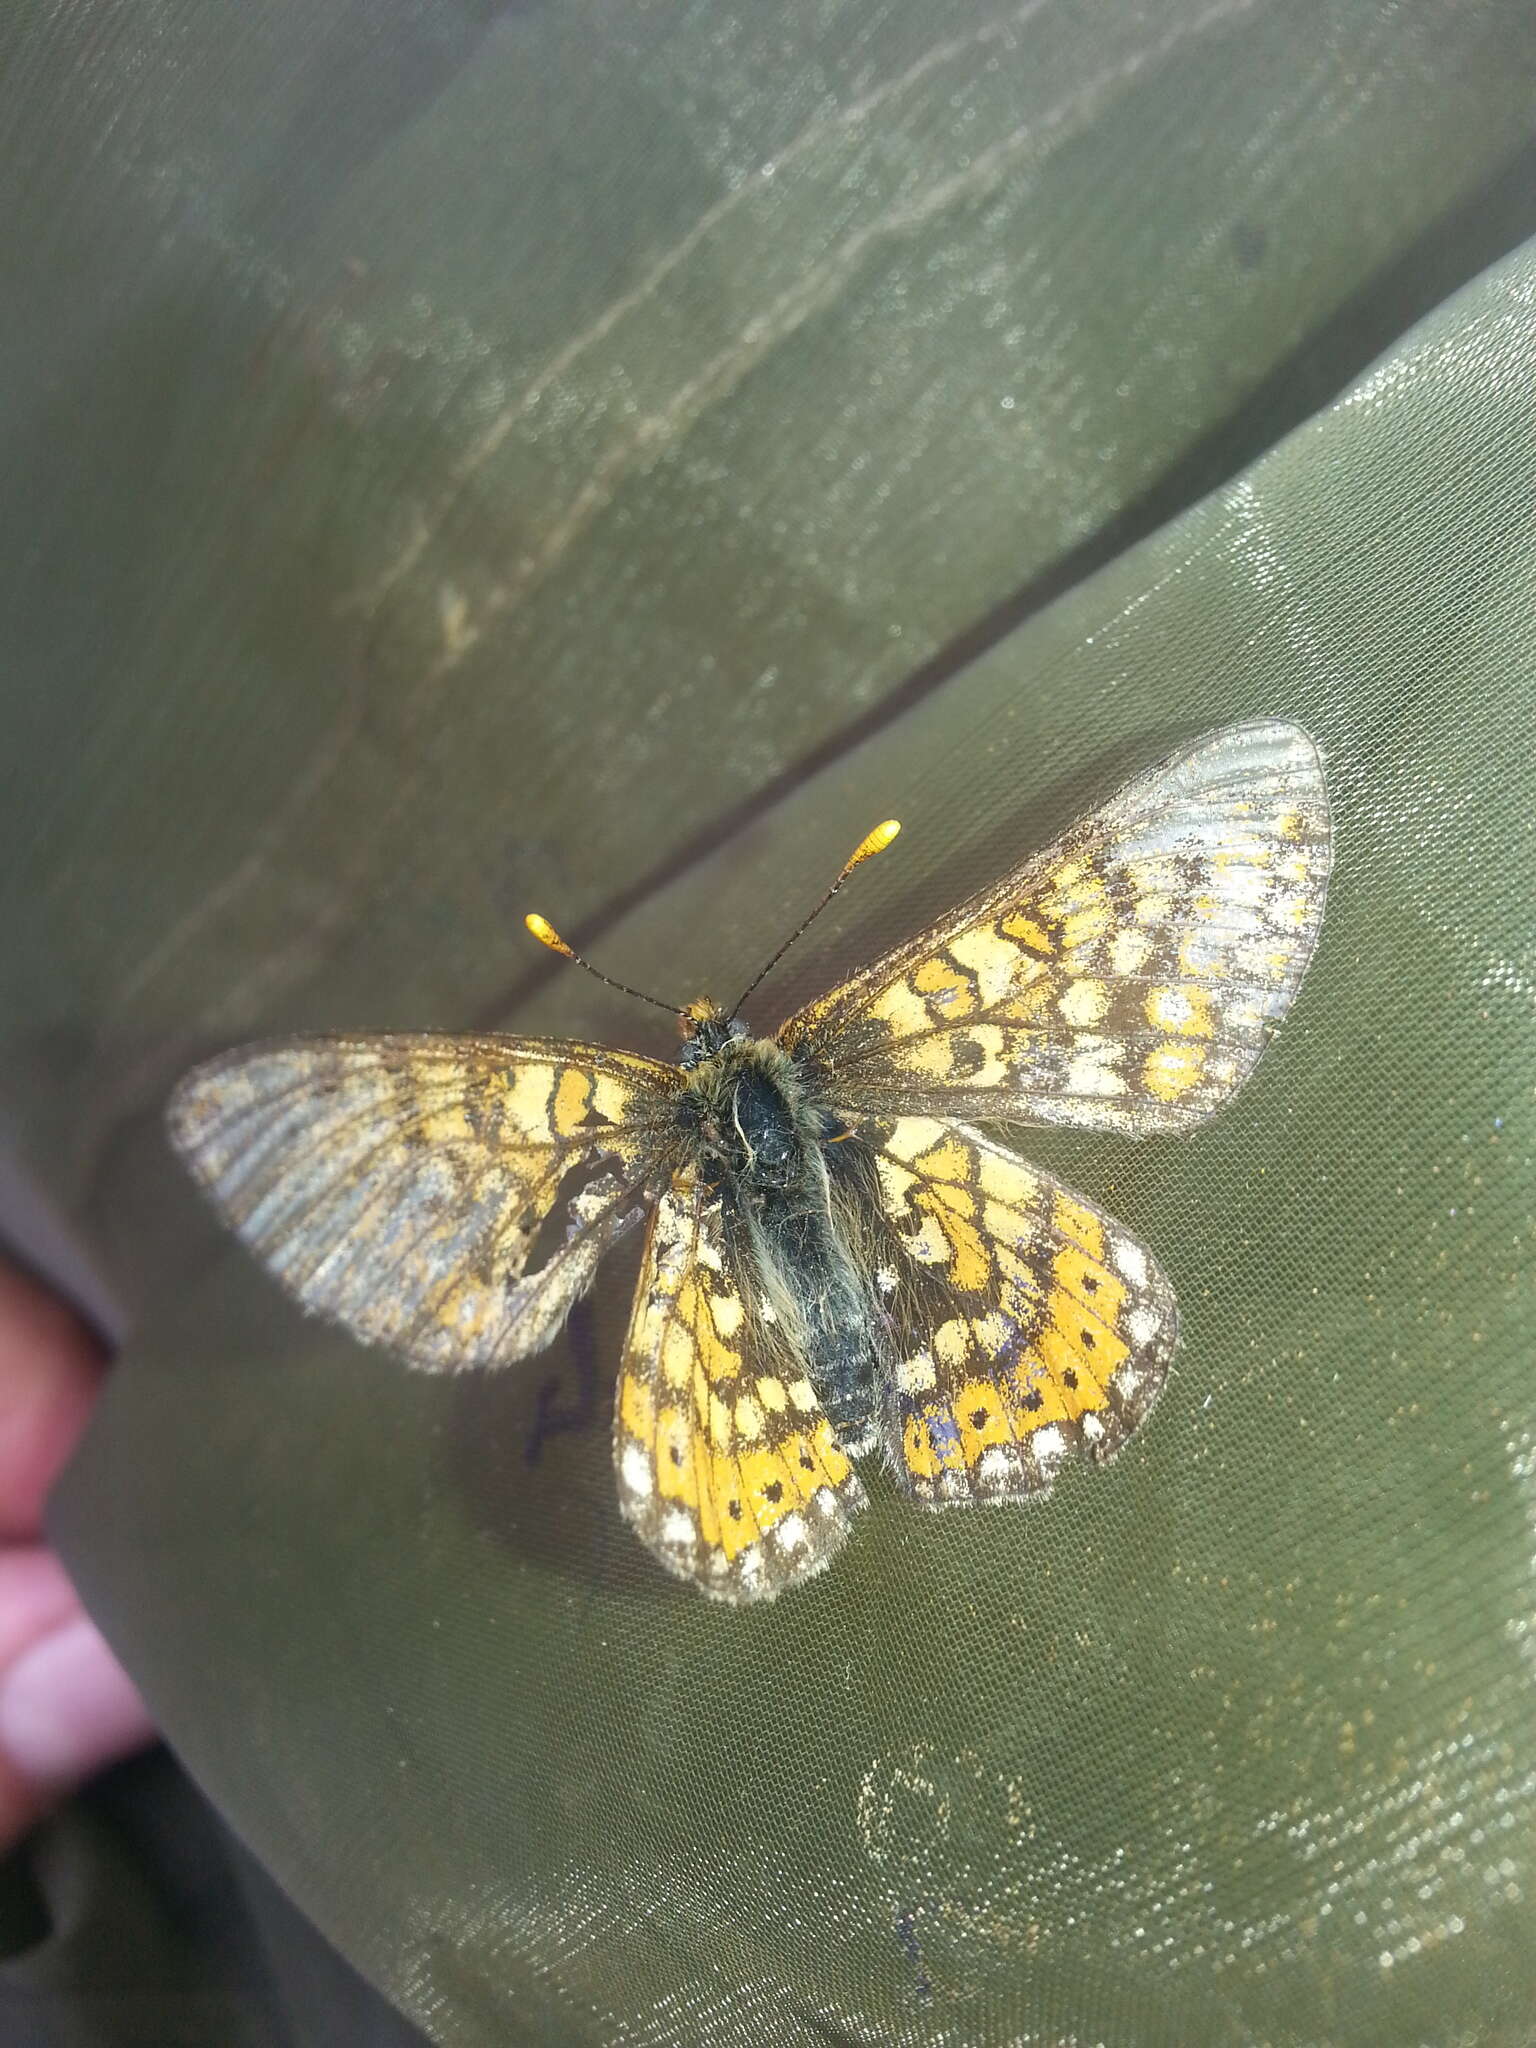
x=1142, y=1324
x=825, y=1500
x=1049, y=1446
x=916, y=1375
x=953, y=1485
x=1128, y=1379
x=1091, y=1072
x=1170, y=1008
x=636, y=1469
x=1130, y=1259
x=750, y=1564
x=677, y=1527
x=791, y=1533
x=1092, y=1428
x=997, y=1464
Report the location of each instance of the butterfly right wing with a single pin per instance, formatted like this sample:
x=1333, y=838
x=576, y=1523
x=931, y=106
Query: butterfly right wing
x=447, y=1197
x=1127, y=978
x=1028, y=1325
x=727, y=1466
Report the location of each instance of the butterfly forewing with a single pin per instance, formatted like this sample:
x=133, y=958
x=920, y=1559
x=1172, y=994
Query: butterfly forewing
x=448, y=1197
x=1125, y=979
x=727, y=1466
x=1025, y=1322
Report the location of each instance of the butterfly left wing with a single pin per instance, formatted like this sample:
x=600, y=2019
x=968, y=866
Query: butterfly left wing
x=448, y=1197
x=1125, y=979
x=727, y=1465
x=1027, y=1323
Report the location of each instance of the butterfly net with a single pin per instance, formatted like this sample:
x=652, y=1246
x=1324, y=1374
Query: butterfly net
x=603, y=464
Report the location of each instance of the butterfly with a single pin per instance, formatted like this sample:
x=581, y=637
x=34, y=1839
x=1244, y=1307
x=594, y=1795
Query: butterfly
x=837, y=1259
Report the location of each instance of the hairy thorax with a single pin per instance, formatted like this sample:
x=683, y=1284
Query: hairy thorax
x=779, y=1160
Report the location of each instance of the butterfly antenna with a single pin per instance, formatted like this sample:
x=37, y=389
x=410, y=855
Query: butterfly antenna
x=872, y=843
x=546, y=935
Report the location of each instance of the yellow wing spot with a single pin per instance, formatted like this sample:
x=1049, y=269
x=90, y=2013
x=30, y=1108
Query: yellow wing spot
x=834, y=1464
x=1077, y=1221
x=734, y=1531
x=969, y=1266
x=981, y=1418
x=1171, y=1071
x=677, y=1475
x=1005, y=1182
x=933, y=1056
x=1088, y=1282
x=770, y=1392
x=914, y=1134
x=1029, y=932
x=1154, y=910
x=1084, y=1002
x=1061, y=1357
x=1082, y=927
x=947, y=1161
x=917, y=1448
x=902, y=1008
x=677, y=1361
x=611, y=1097
x=573, y=1096
x=727, y=1314
x=770, y=1486
x=527, y=1099
x=447, y=1126
x=636, y=1409
x=1184, y=1011
x=1036, y=1399
x=721, y=1428
x=749, y=1419
x=950, y=1342
x=948, y=989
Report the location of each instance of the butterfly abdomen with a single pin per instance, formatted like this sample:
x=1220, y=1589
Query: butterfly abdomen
x=760, y=1135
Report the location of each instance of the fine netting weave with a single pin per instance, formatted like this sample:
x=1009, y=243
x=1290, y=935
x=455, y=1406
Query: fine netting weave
x=1235, y=1742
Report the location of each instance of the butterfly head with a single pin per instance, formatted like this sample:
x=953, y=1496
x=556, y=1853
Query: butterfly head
x=706, y=1031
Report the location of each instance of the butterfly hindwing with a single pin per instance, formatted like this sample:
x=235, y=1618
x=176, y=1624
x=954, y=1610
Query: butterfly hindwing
x=1125, y=979
x=1026, y=1323
x=449, y=1197
x=727, y=1465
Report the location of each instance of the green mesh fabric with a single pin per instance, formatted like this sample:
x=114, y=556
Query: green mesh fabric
x=603, y=461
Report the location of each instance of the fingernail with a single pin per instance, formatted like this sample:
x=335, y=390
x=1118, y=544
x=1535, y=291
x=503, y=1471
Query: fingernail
x=67, y=1707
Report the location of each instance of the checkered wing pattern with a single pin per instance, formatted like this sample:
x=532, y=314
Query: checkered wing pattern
x=1126, y=979
x=727, y=1465
x=447, y=1197
x=1027, y=1324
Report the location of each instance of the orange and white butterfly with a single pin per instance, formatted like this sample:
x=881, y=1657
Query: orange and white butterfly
x=837, y=1261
